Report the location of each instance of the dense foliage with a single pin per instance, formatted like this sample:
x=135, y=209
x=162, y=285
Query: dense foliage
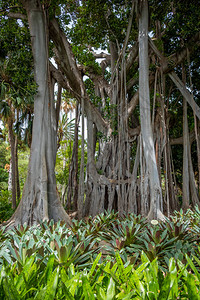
x=4, y=161
x=106, y=258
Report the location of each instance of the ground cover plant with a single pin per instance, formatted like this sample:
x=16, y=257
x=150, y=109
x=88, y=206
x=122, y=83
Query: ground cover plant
x=105, y=257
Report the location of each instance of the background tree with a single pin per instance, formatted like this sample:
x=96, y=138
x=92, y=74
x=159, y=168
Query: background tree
x=17, y=88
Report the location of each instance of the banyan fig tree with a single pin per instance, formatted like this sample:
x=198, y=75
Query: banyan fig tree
x=123, y=62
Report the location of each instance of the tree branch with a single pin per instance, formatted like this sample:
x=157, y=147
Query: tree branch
x=168, y=63
x=97, y=78
x=16, y=15
x=100, y=55
x=133, y=103
x=179, y=141
x=179, y=56
x=186, y=94
x=132, y=56
x=134, y=131
x=180, y=85
x=66, y=84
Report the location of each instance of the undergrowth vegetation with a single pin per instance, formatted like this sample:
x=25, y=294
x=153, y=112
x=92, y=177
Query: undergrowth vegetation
x=103, y=258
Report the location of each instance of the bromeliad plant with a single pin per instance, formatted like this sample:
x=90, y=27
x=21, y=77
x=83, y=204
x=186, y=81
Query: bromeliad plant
x=105, y=257
x=48, y=238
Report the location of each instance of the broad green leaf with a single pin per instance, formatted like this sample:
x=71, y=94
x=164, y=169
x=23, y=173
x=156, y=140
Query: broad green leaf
x=142, y=267
x=101, y=293
x=111, y=290
x=173, y=277
x=49, y=267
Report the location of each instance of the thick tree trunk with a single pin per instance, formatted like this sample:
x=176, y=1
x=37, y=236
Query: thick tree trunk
x=40, y=199
x=146, y=129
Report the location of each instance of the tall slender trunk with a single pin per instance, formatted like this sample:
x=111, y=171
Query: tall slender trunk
x=11, y=138
x=197, y=136
x=186, y=178
x=189, y=187
x=58, y=103
x=17, y=169
x=16, y=162
x=72, y=192
x=196, y=122
x=82, y=173
x=146, y=129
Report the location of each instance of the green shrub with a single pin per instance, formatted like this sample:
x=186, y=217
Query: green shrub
x=102, y=280
x=6, y=210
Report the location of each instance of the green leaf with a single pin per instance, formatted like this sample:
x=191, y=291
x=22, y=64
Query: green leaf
x=63, y=254
x=120, y=265
x=67, y=293
x=52, y=285
x=111, y=290
x=183, y=269
x=71, y=284
x=49, y=267
x=193, y=267
x=165, y=288
x=26, y=273
x=94, y=265
x=173, y=277
x=137, y=283
x=101, y=294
